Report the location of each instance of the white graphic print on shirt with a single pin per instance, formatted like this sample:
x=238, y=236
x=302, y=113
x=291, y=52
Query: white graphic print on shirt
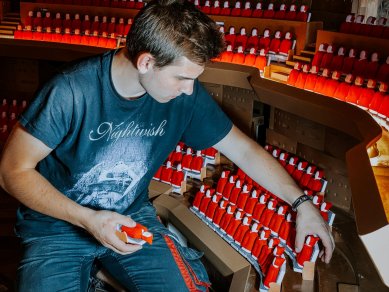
x=113, y=183
x=111, y=131
x=108, y=184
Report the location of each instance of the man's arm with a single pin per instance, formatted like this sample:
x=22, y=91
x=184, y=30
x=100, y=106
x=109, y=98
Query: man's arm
x=19, y=178
x=265, y=170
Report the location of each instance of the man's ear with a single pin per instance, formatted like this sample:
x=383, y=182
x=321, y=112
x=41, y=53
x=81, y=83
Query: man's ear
x=145, y=62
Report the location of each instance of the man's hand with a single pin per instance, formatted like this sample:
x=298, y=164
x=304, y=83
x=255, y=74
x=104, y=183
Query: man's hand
x=309, y=221
x=102, y=225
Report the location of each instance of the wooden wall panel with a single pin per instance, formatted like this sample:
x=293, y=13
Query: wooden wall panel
x=303, y=130
x=239, y=104
x=281, y=141
x=18, y=76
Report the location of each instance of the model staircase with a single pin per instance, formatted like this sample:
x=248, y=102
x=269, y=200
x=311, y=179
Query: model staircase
x=280, y=71
x=9, y=24
x=305, y=56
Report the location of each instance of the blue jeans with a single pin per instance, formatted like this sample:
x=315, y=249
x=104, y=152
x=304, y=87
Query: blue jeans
x=63, y=261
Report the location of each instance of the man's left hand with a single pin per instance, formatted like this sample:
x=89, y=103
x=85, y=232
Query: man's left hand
x=308, y=222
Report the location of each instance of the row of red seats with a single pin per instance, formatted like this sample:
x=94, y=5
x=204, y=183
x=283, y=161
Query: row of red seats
x=237, y=202
x=9, y=106
x=119, y=28
x=351, y=89
x=238, y=10
x=278, y=44
x=308, y=176
x=245, y=231
x=180, y=162
x=252, y=199
x=355, y=25
x=252, y=59
x=181, y=150
x=105, y=3
x=365, y=67
x=10, y=111
x=85, y=39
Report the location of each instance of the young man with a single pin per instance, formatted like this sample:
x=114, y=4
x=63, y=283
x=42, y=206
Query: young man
x=83, y=154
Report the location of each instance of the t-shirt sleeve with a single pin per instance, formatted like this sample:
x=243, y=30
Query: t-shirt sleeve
x=208, y=123
x=48, y=117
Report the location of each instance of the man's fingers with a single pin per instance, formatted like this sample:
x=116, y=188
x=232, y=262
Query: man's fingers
x=300, y=238
x=125, y=220
x=123, y=248
x=328, y=243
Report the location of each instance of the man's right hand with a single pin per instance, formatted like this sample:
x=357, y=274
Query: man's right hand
x=102, y=225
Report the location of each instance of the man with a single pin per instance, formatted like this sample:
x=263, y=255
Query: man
x=83, y=154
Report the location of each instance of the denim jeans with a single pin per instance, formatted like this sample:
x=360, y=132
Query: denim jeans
x=63, y=261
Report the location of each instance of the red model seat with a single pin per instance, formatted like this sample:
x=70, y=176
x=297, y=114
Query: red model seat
x=293, y=75
x=383, y=71
x=348, y=62
x=249, y=59
x=291, y=14
x=327, y=57
x=258, y=12
x=319, y=55
x=337, y=61
x=264, y=41
x=345, y=27
x=286, y=44
x=280, y=14
x=378, y=30
x=215, y=9
x=321, y=80
x=236, y=11
x=356, y=26
x=226, y=10
x=310, y=82
x=241, y=39
x=372, y=67
x=343, y=88
x=355, y=91
x=360, y=65
x=253, y=40
x=332, y=84
x=302, y=77
x=367, y=94
x=261, y=60
x=230, y=37
x=368, y=26
x=238, y=57
x=275, y=43
x=269, y=12
x=247, y=11
x=303, y=14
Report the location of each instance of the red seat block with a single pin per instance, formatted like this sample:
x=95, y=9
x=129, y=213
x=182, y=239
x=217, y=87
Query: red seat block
x=269, y=12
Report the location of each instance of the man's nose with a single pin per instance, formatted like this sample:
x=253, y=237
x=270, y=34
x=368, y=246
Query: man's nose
x=187, y=87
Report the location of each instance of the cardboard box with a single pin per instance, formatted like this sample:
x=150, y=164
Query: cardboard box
x=157, y=188
x=228, y=262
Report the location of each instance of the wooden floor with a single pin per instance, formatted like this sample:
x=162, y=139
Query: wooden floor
x=381, y=171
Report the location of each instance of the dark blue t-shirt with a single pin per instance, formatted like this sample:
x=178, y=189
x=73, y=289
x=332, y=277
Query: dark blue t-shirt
x=106, y=148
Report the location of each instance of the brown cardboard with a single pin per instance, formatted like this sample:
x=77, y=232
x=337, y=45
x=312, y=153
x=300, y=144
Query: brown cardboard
x=157, y=188
x=309, y=271
x=218, y=252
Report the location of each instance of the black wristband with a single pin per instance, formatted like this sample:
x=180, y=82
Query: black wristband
x=299, y=201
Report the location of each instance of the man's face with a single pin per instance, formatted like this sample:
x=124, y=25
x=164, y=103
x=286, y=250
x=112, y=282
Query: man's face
x=170, y=81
